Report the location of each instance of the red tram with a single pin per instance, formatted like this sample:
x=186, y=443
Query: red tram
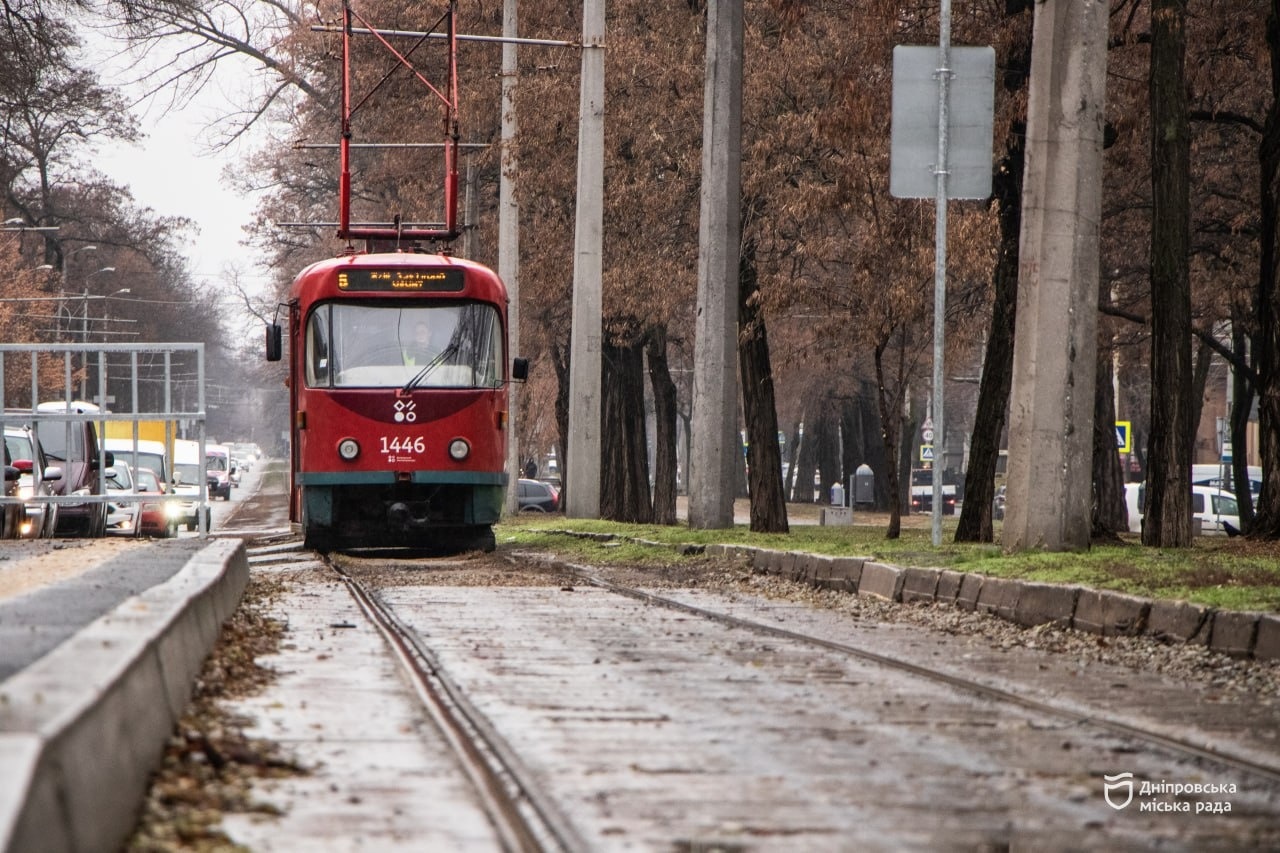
x=398, y=387
x=398, y=369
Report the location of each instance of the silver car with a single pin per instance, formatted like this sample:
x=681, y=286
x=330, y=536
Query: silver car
x=37, y=479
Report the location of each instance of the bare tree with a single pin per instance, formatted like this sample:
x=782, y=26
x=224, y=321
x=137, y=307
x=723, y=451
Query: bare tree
x=1168, y=505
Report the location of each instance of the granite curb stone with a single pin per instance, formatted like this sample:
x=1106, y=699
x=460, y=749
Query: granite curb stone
x=1111, y=614
x=96, y=695
x=1032, y=603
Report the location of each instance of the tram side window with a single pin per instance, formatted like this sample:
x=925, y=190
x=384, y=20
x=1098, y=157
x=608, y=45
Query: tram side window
x=318, y=347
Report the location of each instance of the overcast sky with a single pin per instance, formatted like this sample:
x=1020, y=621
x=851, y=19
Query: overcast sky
x=170, y=173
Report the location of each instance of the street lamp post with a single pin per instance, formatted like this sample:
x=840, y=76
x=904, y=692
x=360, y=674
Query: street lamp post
x=66, y=263
x=84, y=329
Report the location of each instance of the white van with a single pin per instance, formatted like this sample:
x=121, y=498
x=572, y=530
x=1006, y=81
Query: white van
x=188, y=473
x=221, y=467
x=1217, y=475
x=150, y=454
x=1217, y=509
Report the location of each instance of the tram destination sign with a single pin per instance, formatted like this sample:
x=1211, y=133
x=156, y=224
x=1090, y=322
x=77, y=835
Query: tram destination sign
x=402, y=280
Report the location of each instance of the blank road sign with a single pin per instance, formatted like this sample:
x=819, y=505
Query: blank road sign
x=914, y=135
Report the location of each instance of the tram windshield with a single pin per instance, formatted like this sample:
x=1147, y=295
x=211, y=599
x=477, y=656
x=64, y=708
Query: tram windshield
x=435, y=345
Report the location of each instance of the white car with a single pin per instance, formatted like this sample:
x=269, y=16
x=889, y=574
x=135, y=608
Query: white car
x=122, y=516
x=1217, y=509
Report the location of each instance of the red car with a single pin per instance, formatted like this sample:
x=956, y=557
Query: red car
x=159, y=518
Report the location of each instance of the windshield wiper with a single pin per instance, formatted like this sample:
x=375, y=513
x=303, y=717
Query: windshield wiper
x=422, y=374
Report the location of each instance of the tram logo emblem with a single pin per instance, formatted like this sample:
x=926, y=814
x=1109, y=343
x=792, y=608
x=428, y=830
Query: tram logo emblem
x=405, y=411
x=1118, y=790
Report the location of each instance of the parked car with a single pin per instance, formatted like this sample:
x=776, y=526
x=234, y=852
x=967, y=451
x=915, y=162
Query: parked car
x=1217, y=510
x=157, y=518
x=536, y=496
x=73, y=445
x=36, y=479
x=12, y=513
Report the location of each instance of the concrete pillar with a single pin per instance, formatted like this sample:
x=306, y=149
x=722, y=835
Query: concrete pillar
x=716, y=452
x=1054, y=370
x=509, y=235
x=582, y=487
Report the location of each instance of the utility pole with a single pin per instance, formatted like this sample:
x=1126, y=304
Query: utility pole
x=509, y=234
x=583, y=475
x=1055, y=347
x=716, y=454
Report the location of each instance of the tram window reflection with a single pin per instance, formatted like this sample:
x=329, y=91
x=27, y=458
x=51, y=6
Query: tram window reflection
x=451, y=345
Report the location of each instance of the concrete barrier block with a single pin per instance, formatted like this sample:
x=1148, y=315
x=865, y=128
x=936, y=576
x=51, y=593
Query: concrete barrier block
x=920, y=584
x=766, y=561
x=846, y=573
x=1179, y=622
x=881, y=580
x=970, y=589
x=1267, y=645
x=836, y=516
x=96, y=710
x=1234, y=632
x=1045, y=604
x=949, y=586
x=1110, y=614
x=999, y=597
x=20, y=753
x=819, y=568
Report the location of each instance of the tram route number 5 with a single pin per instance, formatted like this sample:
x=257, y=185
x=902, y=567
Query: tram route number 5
x=405, y=444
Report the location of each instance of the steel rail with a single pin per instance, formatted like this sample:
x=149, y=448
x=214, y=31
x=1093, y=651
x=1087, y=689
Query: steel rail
x=524, y=819
x=1205, y=753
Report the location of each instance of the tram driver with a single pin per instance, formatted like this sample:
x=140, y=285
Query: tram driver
x=418, y=351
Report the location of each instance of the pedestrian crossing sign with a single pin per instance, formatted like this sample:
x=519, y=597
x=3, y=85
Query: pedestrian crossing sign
x=926, y=453
x=1124, y=436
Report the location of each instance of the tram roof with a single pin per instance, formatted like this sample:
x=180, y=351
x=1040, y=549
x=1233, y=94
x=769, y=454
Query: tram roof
x=482, y=282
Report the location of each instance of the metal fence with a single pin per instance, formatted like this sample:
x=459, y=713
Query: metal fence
x=46, y=387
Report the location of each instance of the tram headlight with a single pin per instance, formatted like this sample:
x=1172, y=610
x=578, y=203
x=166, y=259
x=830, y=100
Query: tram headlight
x=459, y=449
x=348, y=448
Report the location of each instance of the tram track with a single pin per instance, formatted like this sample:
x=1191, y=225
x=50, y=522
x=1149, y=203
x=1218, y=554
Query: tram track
x=522, y=816
x=572, y=705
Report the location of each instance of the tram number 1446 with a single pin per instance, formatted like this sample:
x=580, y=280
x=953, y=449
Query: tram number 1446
x=403, y=444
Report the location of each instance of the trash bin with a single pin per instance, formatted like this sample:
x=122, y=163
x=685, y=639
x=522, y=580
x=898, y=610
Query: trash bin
x=864, y=485
x=837, y=494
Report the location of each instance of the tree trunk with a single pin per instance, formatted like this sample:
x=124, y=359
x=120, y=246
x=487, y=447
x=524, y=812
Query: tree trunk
x=1266, y=523
x=807, y=456
x=860, y=436
x=1167, y=520
x=974, y=524
x=664, y=417
x=793, y=460
x=624, y=479
x=830, y=470
x=1241, y=403
x=560, y=360
x=1110, y=510
x=890, y=403
x=764, y=460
